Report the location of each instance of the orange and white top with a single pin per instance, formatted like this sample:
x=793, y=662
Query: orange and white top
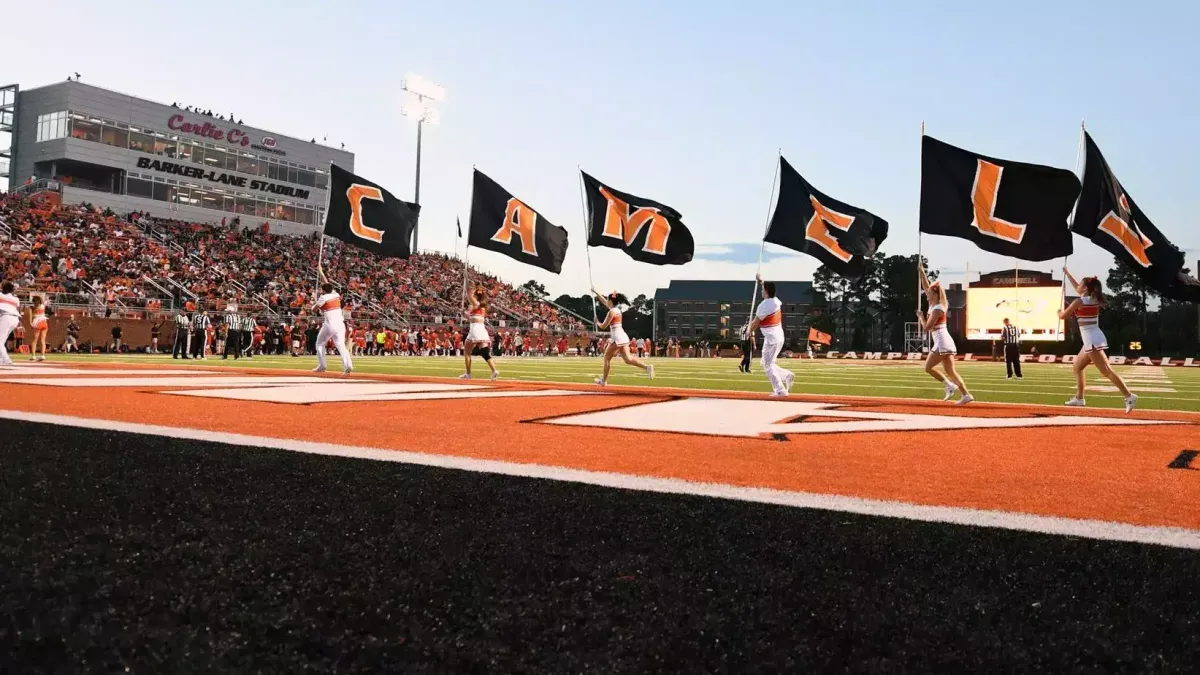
x=330, y=305
x=477, y=315
x=9, y=305
x=614, y=317
x=940, y=322
x=770, y=318
x=39, y=317
x=1088, y=312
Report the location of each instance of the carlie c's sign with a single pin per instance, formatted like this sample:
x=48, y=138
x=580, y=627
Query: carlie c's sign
x=234, y=136
x=1168, y=361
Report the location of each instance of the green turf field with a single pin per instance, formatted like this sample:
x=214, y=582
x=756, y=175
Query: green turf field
x=1171, y=388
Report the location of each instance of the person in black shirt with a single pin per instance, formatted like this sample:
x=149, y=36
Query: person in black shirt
x=72, y=342
x=116, y=336
x=747, y=348
x=155, y=331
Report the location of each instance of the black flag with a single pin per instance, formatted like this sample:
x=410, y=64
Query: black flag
x=458, y=222
x=365, y=215
x=646, y=230
x=502, y=223
x=832, y=231
x=1112, y=220
x=1009, y=208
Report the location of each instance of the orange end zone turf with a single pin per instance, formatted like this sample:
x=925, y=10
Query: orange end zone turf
x=1071, y=464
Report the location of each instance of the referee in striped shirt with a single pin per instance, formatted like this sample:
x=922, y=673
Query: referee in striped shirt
x=1012, y=349
x=200, y=323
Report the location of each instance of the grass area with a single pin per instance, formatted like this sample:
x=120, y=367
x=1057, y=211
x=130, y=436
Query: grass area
x=1172, y=388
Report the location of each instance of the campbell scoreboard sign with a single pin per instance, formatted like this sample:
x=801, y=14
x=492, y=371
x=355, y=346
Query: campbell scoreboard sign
x=234, y=136
x=220, y=178
x=1167, y=361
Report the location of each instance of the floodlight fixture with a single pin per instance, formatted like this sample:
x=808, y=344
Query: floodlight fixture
x=422, y=88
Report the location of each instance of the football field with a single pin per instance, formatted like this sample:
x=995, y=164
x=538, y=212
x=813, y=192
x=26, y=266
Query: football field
x=1170, y=388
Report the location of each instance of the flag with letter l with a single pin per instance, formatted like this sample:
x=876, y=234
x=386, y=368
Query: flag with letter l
x=834, y=232
x=644, y=229
x=502, y=223
x=365, y=215
x=1112, y=220
x=1004, y=207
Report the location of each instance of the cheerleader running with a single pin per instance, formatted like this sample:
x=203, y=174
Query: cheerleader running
x=40, y=326
x=620, y=341
x=477, y=335
x=943, y=350
x=1086, y=308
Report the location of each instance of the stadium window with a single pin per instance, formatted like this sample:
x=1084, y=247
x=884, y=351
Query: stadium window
x=165, y=147
x=114, y=136
x=161, y=192
x=214, y=158
x=140, y=141
x=244, y=204
x=136, y=187
x=293, y=175
x=183, y=195
x=209, y=200
x=228, y=204
x=306, y=178
x=185, y=151
x=322, y=180
x=85, y=129
x=247, y=163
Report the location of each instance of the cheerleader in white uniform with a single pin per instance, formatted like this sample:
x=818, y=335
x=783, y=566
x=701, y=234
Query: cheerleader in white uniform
x=619, y=344
x=943, y=349
x=477, y=335
x=10, y=318
x=40, y=326
x=1086, y=309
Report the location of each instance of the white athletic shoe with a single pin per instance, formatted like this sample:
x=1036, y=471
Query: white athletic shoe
x=951, y=390
x=347, y=370
x=1076, y=402
x=965, y=400
x=776, y=394
x=787, y=382
x=1130, y=403
x=495, y=375
x=319, y=369
x=464, y=376
x=600, y=382
x=650, y=371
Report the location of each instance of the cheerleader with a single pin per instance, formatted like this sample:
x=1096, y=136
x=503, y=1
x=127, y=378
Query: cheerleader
x=40, y=326
x=477, y=335
x=10, y=318
x=619, y=342
x=943, y=350
x=1086, y=309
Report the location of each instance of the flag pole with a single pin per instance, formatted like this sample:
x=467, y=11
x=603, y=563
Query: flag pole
x=467, y=249
x=587, y=248
x=324, y=221
x=920, y=256
x=762, y=247
x=1080, y=161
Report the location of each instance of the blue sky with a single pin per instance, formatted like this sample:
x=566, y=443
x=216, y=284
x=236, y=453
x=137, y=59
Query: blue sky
x=684, y=102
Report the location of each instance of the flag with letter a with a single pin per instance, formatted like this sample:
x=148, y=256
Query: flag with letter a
x=644, y=229
x=1112, y=220
x=834, y=232
x=1004, y=207
x=502, y=223
x=365, y=215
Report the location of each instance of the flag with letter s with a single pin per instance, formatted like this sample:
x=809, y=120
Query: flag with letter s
x=1008, y=208
x=1112, y=220
x=646, y=230
x=502, y=223
x=807, y=220
x=363, y=214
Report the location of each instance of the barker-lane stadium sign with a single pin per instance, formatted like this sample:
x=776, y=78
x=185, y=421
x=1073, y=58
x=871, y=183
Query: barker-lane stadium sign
x=1025, y=358
x=234, y=136
x=199, y=172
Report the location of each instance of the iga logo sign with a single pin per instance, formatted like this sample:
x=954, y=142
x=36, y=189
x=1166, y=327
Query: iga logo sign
x=764, y=419
x=269, y=142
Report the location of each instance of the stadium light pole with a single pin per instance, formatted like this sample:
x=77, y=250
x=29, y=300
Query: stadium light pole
x=423, y=95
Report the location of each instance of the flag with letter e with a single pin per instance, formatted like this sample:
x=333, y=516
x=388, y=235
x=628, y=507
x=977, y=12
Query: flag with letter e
x=834, y=232
x=1008, y=208
x=1112, y=220
x=365, y=215
x=644, y=229
x=502, y=223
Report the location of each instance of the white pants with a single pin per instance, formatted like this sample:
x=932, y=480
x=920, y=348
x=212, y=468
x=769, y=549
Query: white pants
x=338, y=335
x=775, y=374
x=8, y=324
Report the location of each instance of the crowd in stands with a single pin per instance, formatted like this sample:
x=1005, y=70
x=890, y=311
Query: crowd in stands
x=79, y=249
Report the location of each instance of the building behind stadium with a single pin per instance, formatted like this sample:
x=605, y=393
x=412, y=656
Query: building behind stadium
x=83, y=143
x=716, y=310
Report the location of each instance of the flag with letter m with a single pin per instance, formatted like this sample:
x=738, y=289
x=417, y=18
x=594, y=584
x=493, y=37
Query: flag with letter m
x=363, y=214
x=646, y=230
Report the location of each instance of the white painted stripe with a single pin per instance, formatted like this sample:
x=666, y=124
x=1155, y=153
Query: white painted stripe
x=110, y=372
x=1090, y=529
x=248, y=381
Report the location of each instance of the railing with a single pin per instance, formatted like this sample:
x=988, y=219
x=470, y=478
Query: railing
x=167, y=295
x=183, y=289
x=39, y=185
